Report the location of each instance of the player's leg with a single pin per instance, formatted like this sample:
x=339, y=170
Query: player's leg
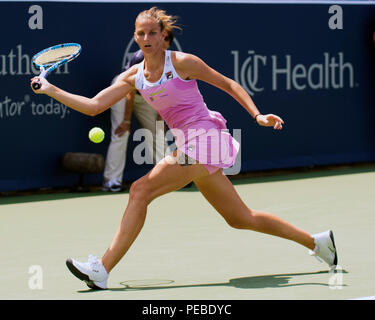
x=162, y=179
x=219, y=191
x=221, y=194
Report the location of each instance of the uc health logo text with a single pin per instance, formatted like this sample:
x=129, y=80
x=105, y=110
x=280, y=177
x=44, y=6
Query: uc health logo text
x=257, y=72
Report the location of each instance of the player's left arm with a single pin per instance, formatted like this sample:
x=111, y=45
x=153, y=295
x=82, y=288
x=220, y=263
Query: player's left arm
x=191, y=67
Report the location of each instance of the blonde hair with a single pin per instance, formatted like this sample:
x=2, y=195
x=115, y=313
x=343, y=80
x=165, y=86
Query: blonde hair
x=165, y=21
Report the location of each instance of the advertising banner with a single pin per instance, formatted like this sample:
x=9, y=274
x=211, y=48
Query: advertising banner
x=311, y=64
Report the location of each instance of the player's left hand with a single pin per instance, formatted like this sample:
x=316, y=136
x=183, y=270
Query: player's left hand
x=270, y=120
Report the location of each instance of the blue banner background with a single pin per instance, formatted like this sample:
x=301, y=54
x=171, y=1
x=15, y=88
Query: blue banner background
x=322, y=126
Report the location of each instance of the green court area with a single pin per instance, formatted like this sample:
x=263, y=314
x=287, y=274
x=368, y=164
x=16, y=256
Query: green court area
x=186, y=251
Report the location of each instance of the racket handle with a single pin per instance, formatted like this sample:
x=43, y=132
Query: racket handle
x=36, y=85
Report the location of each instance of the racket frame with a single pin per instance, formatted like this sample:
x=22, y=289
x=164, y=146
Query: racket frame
x=48, y=68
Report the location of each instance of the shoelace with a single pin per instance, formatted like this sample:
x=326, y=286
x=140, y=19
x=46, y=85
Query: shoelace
x=93, y=260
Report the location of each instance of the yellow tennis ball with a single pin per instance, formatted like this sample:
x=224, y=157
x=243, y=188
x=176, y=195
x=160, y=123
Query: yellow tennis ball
x=96, y=135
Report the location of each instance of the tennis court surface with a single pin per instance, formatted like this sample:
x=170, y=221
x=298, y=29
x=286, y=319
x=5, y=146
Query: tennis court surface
x=186, y=250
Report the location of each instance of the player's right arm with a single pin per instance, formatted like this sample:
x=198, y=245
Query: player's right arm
x=106, y=98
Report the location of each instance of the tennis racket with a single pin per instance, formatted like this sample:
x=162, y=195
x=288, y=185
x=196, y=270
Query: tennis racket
x=53, y=57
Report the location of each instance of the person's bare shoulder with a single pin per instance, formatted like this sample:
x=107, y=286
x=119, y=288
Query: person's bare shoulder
x=185, y=64
x=129, y=75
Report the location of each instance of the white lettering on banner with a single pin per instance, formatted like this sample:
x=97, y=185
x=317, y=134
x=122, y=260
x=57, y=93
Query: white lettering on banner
x=15, y=108
x=336, y=20
x=17, y=63
x=332, y=72
x=10, y=108
x=36, y=20
x=251, y=76
x=50, y=109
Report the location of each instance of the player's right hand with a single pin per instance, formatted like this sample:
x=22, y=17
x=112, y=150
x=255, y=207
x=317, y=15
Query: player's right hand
x=43, y=82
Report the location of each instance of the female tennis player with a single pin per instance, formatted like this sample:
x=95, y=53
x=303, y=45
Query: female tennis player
x=168, y=82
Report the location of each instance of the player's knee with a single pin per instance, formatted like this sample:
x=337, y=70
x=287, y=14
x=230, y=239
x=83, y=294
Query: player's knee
x=237, y=224
x=139, y=192
x=241, y=222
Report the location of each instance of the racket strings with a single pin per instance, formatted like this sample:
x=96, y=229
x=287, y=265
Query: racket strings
x=55, y=55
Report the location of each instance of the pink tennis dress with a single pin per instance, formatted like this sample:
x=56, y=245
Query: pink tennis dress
x=199, y=133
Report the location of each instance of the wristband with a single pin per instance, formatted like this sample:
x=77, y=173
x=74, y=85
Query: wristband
x=127, y=121
x=255, y=118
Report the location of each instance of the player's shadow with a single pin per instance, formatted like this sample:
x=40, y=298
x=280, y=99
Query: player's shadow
x=253, y=282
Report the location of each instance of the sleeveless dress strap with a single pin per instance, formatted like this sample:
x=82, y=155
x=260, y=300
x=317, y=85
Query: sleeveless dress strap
x=139, y=78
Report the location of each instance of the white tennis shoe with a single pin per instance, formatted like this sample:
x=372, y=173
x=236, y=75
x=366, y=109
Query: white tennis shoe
x=325, y=248
x=112, y=185
x=92, y=272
